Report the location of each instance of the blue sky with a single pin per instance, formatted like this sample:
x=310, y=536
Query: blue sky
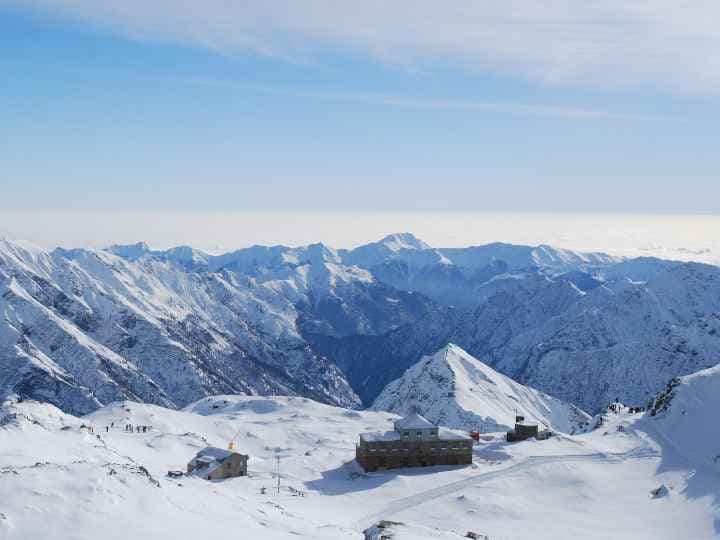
x=122, y=108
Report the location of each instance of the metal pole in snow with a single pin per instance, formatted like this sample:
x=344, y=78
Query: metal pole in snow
x=278, y=474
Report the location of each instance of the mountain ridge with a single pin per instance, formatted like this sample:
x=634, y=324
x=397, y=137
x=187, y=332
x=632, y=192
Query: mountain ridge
x=80, y=327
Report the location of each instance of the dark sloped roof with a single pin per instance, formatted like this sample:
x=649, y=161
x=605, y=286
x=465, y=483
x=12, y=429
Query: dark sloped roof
x=217, y=454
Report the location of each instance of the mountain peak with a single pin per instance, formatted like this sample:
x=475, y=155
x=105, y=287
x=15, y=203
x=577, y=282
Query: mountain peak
x=397, y=246
x=454, y=389
x=185, y=254
x=20, y=250
x=451, y=348
x=400, y=241
x=129, y=251
x=319, y=253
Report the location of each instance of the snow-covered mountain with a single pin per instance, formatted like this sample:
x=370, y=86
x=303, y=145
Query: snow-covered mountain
x=465, y=276
x=400, y=247
x=685, y=415
x=84, y=328
x=585, y=343
x=452, y=388
x=81, y=328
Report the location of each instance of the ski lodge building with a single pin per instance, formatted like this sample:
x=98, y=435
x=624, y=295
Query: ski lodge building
x=213, y=463
x=414, y=442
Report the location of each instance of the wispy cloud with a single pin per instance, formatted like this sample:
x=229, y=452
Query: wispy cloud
x=429, y=103
x=663, y=44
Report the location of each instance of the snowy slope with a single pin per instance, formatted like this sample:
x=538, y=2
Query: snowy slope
x=685, y=415
x=624, y=339
x=84, y=328
x=452, y=388
x=59, y=481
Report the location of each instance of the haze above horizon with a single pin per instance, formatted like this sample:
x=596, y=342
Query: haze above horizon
x=678, y=237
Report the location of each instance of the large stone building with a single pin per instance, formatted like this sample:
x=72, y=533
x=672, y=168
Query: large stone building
x=415, y=442
x=215, y=463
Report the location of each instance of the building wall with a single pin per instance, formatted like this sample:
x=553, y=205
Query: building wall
x=235, y=465
x=425, y=434
x=522, y=432
x=390, y=455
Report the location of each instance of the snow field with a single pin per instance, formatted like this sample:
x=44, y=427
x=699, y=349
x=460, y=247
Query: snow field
x=59, y=481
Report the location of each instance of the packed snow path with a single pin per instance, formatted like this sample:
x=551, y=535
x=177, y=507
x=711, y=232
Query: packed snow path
x=395, y=507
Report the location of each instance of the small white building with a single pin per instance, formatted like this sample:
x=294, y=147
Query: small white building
x=416, y=428
x=213, y=463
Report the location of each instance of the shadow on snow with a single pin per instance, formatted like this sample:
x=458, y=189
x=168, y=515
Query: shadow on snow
x=350, y=478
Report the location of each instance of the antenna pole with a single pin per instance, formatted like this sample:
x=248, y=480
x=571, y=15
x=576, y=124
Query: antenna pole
x=277, y=458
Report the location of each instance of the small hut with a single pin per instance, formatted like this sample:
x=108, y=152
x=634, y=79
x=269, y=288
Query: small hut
x=213, y=463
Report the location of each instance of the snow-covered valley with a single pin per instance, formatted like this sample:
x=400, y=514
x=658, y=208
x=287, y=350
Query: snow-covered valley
x=58, y=480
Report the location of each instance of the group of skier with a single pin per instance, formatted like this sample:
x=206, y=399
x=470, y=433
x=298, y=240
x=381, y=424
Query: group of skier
x=129, y=428
x=136, y=429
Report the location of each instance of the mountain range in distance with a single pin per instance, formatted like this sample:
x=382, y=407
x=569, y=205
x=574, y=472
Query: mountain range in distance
x=82, y=328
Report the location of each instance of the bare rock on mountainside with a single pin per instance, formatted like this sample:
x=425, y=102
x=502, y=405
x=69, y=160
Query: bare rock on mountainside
x=660, y=492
